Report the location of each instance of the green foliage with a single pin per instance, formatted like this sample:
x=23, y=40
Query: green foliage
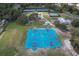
x=75, y=38
x=33, y=17
x=75, y=23
x=7, y=51
x=75, y=32
x=8, y=12
x=22, y=20
x=75, y=43
x=62, y=26
x=24, y=5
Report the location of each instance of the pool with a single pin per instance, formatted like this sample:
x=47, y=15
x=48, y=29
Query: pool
x=41, y=38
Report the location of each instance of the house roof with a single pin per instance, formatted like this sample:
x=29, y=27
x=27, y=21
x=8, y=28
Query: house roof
x=38, y=9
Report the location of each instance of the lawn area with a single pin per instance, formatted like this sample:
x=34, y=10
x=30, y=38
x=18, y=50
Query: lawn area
x=9, y=40
x=8, y=43
x=46, y=15
x=14, y=37
x=55, y=52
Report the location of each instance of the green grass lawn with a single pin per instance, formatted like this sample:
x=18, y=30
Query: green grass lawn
x=14, y=37
x=8, y=42
x=55, y=52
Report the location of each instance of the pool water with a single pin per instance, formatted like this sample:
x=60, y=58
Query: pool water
x=41, y=38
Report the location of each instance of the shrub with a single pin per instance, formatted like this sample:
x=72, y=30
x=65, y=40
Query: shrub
x=22, y=20
x=33, y=17
x=75, y=23
x=62, y=26
x=75, y=38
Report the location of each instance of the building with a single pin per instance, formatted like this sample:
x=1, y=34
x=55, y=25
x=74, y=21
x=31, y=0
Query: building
x=54, y=14
x=64, y=21
x=35, y=9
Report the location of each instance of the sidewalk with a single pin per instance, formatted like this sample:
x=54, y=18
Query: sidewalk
x=68, y=49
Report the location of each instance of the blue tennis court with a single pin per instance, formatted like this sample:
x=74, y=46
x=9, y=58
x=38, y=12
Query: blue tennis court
x=41, y=38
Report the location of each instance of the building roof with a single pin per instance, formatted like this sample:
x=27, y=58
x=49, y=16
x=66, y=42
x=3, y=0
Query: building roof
x=38, y=9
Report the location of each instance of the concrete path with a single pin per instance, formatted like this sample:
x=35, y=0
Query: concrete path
x=68, y=48
x=38, y=52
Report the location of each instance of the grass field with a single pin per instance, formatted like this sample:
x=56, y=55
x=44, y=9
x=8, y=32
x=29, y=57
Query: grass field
x=14, y=37
x=55, y=52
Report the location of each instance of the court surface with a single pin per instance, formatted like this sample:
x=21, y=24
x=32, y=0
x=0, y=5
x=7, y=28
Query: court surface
x=41, y=38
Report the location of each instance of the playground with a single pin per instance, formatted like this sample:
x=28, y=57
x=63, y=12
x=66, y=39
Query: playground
x=41, y=38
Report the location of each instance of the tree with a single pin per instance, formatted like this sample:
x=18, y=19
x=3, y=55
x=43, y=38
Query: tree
x=8, y=12
x=33, y=17
x=62, y=26
x=75, y=39
x=22, y=20
x=75, y=23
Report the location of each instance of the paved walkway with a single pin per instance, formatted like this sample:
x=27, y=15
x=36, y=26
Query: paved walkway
x=39, y=52
x=68, y=49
